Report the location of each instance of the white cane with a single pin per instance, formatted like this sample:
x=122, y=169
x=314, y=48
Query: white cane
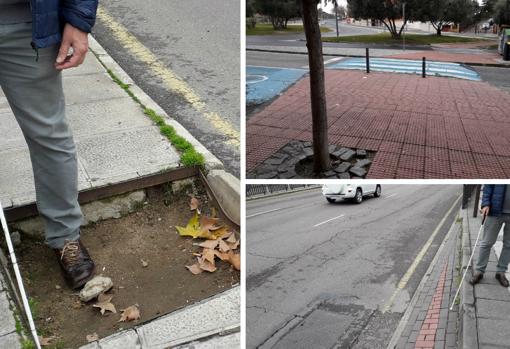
x=469, y=263
x=18, y=278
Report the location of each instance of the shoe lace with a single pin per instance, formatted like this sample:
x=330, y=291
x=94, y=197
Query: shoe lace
x=70, y=252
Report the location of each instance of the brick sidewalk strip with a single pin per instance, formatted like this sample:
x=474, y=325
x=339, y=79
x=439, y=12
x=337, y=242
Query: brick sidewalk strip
x=427, y=336
x=420, y=128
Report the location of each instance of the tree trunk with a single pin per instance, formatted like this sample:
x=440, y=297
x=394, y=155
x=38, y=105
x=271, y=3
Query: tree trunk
x=317, y=86
x=438, y=31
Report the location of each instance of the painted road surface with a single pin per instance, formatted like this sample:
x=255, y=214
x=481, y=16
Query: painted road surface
x=265, y=83
x=454, y=70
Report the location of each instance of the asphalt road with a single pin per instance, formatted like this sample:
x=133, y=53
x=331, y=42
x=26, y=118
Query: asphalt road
x=320, y=275
x=499, y=77
x=195, y=40
x=281, y=60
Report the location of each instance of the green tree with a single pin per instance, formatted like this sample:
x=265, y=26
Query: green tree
x=442, y=12
x=386, y=11
x=278, y=11
x=502, y=12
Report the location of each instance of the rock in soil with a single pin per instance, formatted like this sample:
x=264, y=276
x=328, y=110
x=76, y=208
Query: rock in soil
x=96, y=286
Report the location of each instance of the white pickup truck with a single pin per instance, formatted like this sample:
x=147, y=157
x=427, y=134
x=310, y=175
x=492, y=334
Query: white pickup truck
x=354, y=192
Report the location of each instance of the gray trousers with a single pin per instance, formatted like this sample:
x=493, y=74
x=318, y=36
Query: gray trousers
x=35, y=95
x=490, y=234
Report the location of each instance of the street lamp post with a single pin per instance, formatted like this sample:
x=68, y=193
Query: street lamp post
x=336, y=19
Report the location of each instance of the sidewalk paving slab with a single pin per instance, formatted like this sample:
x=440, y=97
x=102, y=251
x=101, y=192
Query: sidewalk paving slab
x=420, y=128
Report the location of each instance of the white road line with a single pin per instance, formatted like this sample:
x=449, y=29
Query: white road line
x=329, y=220
x=333, y=60
x=261, y=213
x=389, y=196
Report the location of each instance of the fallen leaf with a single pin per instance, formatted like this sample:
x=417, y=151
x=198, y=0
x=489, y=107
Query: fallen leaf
x=206, y=265
x=45, y=341
x=234, y=246
x=193, y=205
x=235, y=260
x=130, y=313
x=104, y=304
x=92, y=337
x=222, y=256
x=232, y=238
x=194, y=230
x=208, y=223
x=208, y=254
x=195, y=269
x=209, y=244
x=144, y=263
x=223, y=246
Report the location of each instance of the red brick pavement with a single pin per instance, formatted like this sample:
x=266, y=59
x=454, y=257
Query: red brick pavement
x=421, y=128
x=427, y=337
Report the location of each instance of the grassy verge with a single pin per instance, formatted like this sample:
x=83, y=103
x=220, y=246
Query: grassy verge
x=416, y=39
x=189, y=155
x=267, y=29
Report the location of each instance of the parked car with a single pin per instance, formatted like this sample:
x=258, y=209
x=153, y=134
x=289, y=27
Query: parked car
x=333, y=192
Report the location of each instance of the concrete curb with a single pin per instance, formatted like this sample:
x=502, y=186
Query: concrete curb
x=211, y=321
x=468, y=326
x=405, y=318
x=495, y=65
x=225, y=186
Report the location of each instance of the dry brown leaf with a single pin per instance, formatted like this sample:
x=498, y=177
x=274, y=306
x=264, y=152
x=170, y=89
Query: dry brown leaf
x=227, y=235
x=223, y=246
x=194, y=203
x=104, y=304
x=232, y=238
x=209, y=244
x=206, y=265
x=234, y=246
x=195, y=269
x=208, y=254
x=92, y=337
x=235, y=260
x=222, y=256
x=45, y=341
x=130, y=313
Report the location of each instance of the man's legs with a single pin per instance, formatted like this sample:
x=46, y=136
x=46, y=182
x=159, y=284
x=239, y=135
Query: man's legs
x=504, y=258
x=34, y=91
x=490, y=235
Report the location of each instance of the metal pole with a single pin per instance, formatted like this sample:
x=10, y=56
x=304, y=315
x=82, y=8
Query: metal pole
x=423, y=68
x=404, y=15
x=368, y=60
x=17, y=273
x=336, y=19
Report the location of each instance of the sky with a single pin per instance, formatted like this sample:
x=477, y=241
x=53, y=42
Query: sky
x=329, y=7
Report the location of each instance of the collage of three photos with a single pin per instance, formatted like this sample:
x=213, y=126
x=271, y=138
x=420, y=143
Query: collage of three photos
x=254, y=174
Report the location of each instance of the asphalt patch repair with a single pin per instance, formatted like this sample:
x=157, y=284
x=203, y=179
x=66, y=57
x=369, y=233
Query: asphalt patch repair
x=144, y=256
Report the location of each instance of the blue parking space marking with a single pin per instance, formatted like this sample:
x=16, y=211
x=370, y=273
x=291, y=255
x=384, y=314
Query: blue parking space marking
x=265, y=83
x=454, y=70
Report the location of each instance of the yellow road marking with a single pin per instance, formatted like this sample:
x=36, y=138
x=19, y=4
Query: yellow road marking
x=405, y=279
x=171, y=80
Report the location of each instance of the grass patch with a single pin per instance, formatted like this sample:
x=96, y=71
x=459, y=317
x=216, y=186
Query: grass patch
x=189, y=155
x=411, y=39
x=27, y=344
x=267, y=29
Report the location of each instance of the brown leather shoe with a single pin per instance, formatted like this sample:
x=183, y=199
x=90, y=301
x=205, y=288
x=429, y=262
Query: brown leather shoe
x=502, y=279
x=76, y=264
x=477, y=277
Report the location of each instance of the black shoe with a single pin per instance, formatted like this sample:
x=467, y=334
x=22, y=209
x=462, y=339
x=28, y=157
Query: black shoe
x=477, y=277
x=76, y=264
x=502, y=279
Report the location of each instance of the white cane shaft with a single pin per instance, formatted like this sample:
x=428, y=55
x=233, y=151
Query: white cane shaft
x=19, y=280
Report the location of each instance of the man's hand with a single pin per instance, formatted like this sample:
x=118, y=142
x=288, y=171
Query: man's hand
x=78, y=41
x=485, y=211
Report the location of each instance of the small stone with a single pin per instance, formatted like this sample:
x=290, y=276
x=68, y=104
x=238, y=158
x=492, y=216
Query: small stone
x=362, y=163
x=343, y=167
x=339, y=152
x=99, y=284
x=15, y=238
x=332, y=148
x=358, y=171
x=281, y=156
x=347, y=155
x=307, y=144
x=361, y=153
x=274, y=161
x=268, y=175
x=329, y=174
x=344, y=175
x=288, y=174
x=58, y=287
x=308, y=151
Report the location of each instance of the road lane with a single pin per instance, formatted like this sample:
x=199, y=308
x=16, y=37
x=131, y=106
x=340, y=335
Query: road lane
x=342, y=272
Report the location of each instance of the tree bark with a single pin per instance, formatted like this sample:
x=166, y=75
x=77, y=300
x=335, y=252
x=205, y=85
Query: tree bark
x=317, y=86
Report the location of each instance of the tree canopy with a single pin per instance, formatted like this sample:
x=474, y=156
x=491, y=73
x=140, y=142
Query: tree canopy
x=502, y=12
x=442, y=12
x=278, y=11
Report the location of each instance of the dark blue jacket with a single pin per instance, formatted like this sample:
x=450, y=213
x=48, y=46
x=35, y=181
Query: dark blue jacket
x=49, y=17
x=494, y=197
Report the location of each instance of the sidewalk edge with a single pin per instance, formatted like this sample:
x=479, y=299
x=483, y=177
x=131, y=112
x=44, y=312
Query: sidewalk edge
x=403, y=322
x=225, y=186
